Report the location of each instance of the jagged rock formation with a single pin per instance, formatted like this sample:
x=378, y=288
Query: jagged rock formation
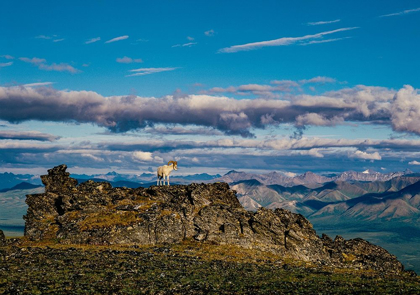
x=2, y=239
x=97, y=213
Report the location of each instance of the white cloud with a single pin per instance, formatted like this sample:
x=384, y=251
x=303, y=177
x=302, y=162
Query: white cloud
x=92, y=157
x=312, y=152
x=405, y=111
x=209, y=33
x=146, y=157
x=43, y=37
x=285, y=41
x=323, y=22
x=53, y=38
x=61, y=67
x=42, y=65
x=185, y=45
x=117, y=39
x=401, y=12
x=190, y=38
x=366, y=156
x=269, y=91
x=375, y=105
x=34, y=60
x=414, y=163
x=27, y=135
x=6, y=56
x=324, y=41
x=319, y=80
x=93, y=40
x=128, y=60
x=38, y=84
x=148, y=71
x=6, y=64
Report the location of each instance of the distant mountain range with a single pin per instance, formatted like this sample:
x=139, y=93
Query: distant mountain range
x=328, y=197
x=21, y=186
x=367, y=203
x=310, y=178
x=9, y=180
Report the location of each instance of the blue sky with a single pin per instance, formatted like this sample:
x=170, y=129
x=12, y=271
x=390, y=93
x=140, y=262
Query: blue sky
x=289, y=86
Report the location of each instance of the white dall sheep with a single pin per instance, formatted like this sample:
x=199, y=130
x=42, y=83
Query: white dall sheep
x=163, y=171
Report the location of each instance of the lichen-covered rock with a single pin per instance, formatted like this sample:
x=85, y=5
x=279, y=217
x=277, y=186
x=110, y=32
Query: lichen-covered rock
x=2, y=239
x=97, y=213
x=360, y=254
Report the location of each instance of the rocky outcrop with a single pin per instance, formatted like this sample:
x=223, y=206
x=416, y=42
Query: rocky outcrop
x=2, y=239
x=97, y=213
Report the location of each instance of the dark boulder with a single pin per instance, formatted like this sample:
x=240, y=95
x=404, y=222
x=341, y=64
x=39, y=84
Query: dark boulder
x=2, y=239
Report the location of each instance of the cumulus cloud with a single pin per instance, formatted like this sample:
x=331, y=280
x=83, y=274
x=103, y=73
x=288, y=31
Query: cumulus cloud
x=229, y=115
x=366, y=156
x=93, y=40
x=406, y=110
x=146, y=157
x=414, y=163
x=117, y=39
x=128, y=60
x=42, y=65
x=6, y=56
x=317, y=120
x=285, y=41
x=148, y=71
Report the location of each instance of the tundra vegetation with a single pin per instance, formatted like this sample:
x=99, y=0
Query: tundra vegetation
x=195, y=239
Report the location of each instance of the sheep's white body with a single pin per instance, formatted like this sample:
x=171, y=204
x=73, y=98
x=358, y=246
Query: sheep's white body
x=163, y=172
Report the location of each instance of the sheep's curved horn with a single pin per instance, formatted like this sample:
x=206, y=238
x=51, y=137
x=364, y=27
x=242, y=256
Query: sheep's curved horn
x=175, y=163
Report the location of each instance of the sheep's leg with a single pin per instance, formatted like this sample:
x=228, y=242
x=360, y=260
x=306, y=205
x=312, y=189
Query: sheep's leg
x=168, y=179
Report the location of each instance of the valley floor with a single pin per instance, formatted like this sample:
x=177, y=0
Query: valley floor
x=188, y=268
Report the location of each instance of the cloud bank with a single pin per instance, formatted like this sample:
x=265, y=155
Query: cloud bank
x=376, y=105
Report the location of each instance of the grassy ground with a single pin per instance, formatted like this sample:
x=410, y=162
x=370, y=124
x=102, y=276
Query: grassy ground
x=188, y=268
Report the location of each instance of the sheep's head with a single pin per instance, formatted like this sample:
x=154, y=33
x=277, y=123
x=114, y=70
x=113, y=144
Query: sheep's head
x=174, y=163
